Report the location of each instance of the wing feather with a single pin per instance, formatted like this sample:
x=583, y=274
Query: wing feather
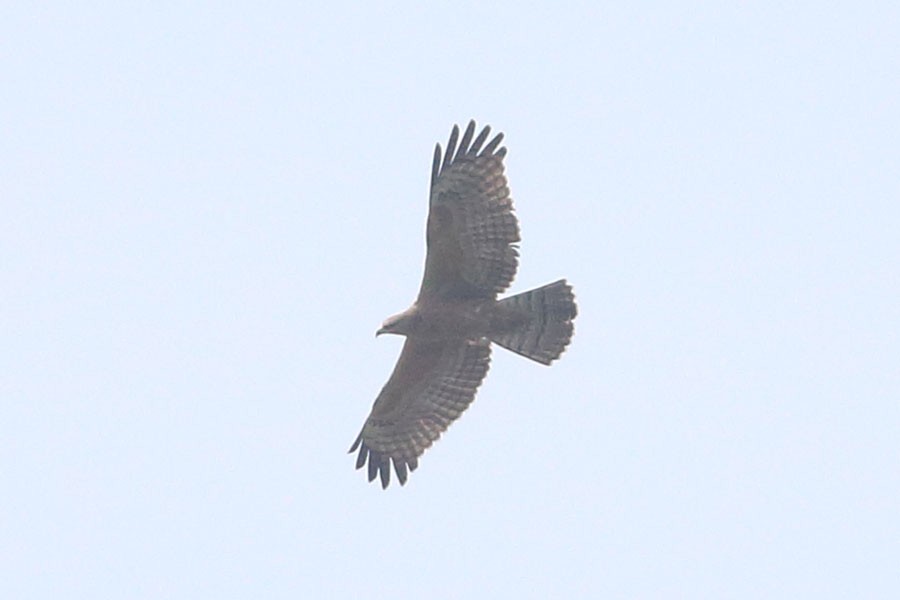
x=436, y=163
x=472, y=231
x=432, y=384
x=466, y=140
x=476, y=145
x=489, y=149
x=451, y=146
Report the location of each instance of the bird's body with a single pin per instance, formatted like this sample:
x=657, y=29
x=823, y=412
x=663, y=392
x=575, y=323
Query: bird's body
x=468, y=319
x=472, y=257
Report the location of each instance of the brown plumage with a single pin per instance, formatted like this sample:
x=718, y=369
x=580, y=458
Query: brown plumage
x=472, y=257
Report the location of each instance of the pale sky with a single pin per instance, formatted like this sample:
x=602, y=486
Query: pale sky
x=208, y=211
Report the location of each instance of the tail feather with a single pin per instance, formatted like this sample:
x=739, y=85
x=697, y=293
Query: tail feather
x=544, y=328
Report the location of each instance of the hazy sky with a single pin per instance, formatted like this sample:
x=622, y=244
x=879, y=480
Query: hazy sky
x=207, y=212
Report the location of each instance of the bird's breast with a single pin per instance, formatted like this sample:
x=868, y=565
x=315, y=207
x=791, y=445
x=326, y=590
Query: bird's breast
x=453, y=320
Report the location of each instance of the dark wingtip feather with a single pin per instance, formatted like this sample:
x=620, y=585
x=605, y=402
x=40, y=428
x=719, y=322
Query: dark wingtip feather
x=489, y=149
x=436, y=164
x=361, y=459
x=466, y=140
x=400, y=467
x=385, y=469
x=379, y=465
x=466, y=148
x=451, y=145
x=374, y=459
x=476, y=145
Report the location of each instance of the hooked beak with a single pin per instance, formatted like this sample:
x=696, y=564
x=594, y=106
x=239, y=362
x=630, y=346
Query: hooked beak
x=380, y=331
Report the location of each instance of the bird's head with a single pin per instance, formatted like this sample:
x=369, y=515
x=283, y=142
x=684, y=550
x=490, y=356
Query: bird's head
x=401, y=324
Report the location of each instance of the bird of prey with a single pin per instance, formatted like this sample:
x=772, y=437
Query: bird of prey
x=471, y=258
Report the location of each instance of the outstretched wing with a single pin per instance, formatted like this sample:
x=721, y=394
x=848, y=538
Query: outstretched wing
x=432, y=384
x=471, y=230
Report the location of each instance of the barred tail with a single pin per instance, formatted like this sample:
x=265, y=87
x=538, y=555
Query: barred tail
x=545, y=328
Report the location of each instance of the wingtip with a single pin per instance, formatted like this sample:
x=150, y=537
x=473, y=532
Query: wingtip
x=355, y=444
x=492, y=145
x=373, y=468
x=451, y=145
x=479, y=140
x=400, y=469
x=463, y=149
x=361, y=459
x=436, y=163
x=379, y=465
x=466, y=147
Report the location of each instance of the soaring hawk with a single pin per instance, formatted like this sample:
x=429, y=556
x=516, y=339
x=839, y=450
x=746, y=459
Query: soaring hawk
x=471, y=258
